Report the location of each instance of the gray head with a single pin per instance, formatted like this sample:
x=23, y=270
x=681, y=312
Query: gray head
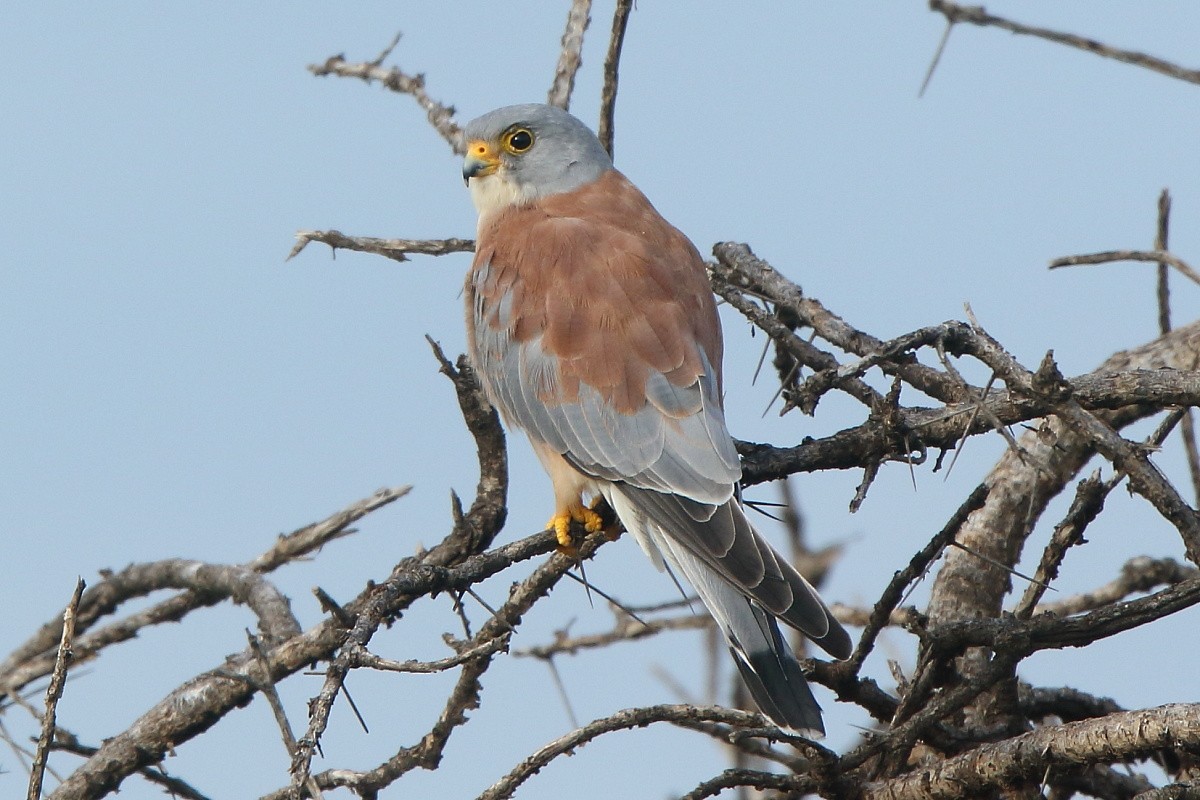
x=516, y=154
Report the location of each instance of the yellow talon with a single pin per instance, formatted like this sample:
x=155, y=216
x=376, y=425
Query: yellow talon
x=561, y=524
x=612, y=530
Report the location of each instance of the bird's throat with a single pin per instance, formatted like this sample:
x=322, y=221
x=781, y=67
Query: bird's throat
x=494, y=193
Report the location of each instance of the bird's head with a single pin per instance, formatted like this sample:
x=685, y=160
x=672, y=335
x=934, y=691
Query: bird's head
x=517, y=154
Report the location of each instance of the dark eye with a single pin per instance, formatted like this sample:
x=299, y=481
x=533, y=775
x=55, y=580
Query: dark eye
x=519, y=140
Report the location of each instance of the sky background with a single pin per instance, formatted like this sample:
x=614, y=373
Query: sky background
x=173, y=388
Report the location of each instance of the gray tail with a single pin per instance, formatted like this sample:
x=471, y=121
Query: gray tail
x=777, y=683
x=766, y=662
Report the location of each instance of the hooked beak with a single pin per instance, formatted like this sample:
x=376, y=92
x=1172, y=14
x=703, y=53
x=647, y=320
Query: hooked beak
x=482, y=160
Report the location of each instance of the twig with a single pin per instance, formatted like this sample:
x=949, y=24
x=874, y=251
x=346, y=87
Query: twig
x=361, y=657
x=441, y=117
x=395, y=249
x=1140, y=574
x=977, y=15
x=1160, y=244
x=408, y=581
x=755, y=742
x=30, y=662
x=1087, y=505
x=570, y=58
x=1161, y=241
x=937, y=58
x=267, y=687
x=794, y=785
x=612, y=62
x=565, y=698
x=737, y=266
x=1066, y=703
x=985, y=558
x=622, y=720
x=1089, y=501
x=591, y=587
x=467, y=689
x=1048, y=384
x=625, y=630
x=1109, y=256
x=908, y=726
x=917, y=565
x=54, y=693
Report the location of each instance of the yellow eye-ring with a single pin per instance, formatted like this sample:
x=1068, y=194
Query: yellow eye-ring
x=518, y=140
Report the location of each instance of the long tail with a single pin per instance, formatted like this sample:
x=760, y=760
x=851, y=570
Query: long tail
x=766, y=662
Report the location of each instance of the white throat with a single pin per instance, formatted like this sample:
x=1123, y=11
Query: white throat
x=493, y=193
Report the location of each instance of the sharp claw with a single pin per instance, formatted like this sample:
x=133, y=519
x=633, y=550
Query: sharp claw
x=561, y=525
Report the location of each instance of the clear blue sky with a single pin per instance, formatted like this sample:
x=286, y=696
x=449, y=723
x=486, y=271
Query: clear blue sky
x=173, y=388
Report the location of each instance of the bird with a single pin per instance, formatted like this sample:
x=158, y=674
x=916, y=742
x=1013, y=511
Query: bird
x=593, y=328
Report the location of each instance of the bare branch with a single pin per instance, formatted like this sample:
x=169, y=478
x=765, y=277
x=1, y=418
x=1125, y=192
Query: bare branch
x=622, y=720
x=466, y=692
x=570, y=59
x=174, y=787
x=917, y=567
x=1109, y=256
x=441, y=117
x=1161, y=237
x=1067, y=704
x=395, y=249
x=304, y=541
x=34, y=659
x=737, y=778
x=977, y=15
x=1140, y=574
x=1045, y=631
x=1114, y=738
x=267, y=686
x=360, y=657
x=626, y=630
x=612, y=64
x=54, y=692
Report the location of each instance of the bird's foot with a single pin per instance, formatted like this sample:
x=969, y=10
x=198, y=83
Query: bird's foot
x=561, y=525
x=610, y=525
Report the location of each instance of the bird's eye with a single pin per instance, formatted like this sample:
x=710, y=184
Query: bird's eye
x=518, y=141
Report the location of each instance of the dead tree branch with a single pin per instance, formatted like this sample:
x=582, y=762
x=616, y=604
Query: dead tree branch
x=977, y=15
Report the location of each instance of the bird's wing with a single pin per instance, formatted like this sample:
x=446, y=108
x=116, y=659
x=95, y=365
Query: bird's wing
x=594, y=329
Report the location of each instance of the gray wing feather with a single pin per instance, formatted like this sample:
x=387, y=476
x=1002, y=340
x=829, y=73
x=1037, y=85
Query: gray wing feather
x=676, y=443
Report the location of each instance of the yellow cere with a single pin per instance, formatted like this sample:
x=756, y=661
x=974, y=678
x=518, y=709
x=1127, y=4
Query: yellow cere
x=481, y=151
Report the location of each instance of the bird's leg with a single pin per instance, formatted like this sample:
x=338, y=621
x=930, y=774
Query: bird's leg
x=570, y=485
